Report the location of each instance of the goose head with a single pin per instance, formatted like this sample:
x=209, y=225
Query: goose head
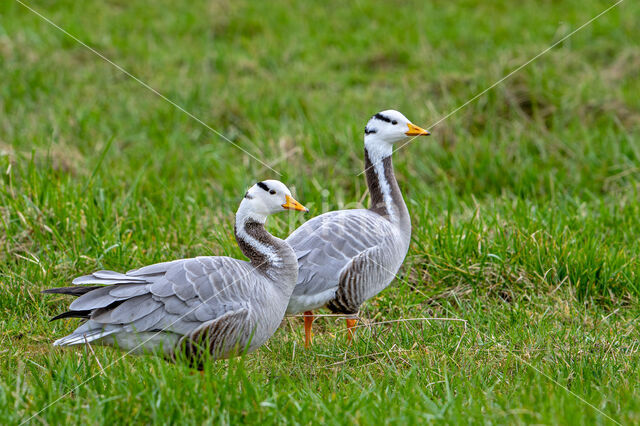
x=268, y=197
x=387, y=128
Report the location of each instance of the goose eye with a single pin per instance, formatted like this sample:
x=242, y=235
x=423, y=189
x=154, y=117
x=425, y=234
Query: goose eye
x=273, y=191
x=394, y=122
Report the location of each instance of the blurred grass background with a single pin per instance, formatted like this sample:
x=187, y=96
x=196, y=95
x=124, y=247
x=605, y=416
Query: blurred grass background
x=524, y=203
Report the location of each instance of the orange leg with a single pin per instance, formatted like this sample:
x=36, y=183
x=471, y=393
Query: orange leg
x=308, y=321
x=351, y=323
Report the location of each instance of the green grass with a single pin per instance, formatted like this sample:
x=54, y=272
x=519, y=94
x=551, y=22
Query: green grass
x=525, y=204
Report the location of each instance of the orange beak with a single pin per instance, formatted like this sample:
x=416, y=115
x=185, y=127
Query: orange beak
x=292, y=204
x=416, y=131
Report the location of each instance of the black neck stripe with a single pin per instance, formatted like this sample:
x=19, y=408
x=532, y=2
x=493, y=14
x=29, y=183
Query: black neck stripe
x=263, y=186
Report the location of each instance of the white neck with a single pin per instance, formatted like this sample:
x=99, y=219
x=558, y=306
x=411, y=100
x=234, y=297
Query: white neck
x=246, y=213
x=378, y=149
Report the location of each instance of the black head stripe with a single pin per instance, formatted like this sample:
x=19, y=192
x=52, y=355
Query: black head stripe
x=382, y=117
x=263, y=186
x=368, y=131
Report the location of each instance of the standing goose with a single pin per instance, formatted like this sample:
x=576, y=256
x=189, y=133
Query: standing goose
x=346, y=257
x=221, y=304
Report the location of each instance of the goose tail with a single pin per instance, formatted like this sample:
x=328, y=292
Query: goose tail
x=85, y=337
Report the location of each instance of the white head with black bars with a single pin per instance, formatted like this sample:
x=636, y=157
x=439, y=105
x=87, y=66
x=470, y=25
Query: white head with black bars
x=387, y=128
x=266, y=198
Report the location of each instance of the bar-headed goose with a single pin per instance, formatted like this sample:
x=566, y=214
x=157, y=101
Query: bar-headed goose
x=218, y=304
x=348, y=256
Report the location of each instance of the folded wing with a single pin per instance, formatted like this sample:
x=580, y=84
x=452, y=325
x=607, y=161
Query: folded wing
x=173, y=297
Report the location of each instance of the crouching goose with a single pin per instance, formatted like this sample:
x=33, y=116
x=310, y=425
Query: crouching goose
x=216, y=304
x=348, y=256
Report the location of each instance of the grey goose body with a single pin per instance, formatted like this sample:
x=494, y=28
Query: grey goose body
x=346, y=257
x=214, y=303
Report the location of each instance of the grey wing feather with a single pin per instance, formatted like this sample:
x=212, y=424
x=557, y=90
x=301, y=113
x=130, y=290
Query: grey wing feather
x=129, y=290
x=116, y=276
x=162, y=287
x=182, y=285
x=95, y=299
x=134, y=309
x=107, y=277
x=173, y=305
x=219, y=285
x=148, y=321
x=155, y=269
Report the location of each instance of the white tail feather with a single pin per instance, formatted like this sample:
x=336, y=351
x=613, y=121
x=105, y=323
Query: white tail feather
x=80, y=338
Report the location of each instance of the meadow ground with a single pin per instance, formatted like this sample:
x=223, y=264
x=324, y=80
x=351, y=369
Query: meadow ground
x=524, y=203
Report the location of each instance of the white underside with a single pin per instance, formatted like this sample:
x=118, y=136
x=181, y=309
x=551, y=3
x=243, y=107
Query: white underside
x=143, y=343
x=309, y=302
x=137, y=343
